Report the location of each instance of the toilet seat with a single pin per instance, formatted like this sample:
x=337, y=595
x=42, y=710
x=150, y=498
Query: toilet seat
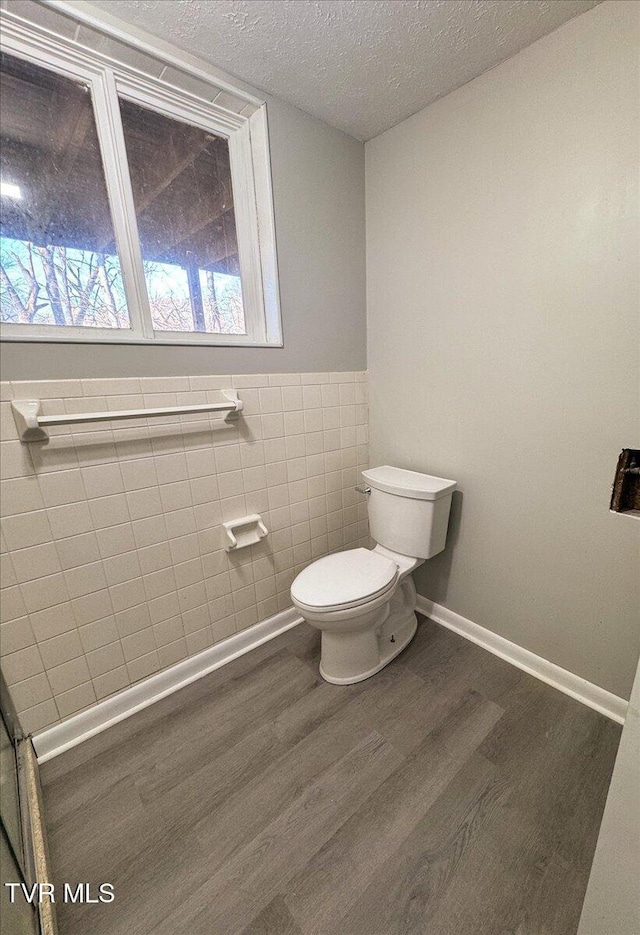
x=344, y=580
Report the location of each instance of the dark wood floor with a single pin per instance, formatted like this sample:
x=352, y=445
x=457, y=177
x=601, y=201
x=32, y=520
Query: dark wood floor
x=451, y=794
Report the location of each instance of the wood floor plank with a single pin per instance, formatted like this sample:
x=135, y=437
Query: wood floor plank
x=247, y=811
x=298, y=720
x=152, y=879
x=405, y=721
x=94, y=838
x=398, y=704
x=407, y=888
x=324, y=890
x=450, y=663
x=242, y=888
x=474, y=864
x=217, y=728
x=304, y=643
x=503, y=884
x=197, y=797
x=274, y=920
x=82, y=788
x=559, y=764
x=549, y=908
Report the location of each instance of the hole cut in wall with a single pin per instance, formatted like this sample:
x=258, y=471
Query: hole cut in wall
x=625, y=496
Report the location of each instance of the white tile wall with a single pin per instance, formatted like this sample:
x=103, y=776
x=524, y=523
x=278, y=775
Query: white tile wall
x=113, y=564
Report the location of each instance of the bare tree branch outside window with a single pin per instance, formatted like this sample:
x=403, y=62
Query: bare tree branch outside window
x=57, y=285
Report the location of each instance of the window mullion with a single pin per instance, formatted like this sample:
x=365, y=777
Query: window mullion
x=116, y=168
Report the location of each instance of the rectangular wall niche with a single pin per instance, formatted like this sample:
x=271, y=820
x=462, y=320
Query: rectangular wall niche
x=625, y=497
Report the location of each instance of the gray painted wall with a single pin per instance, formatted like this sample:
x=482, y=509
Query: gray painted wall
x=318, y=183
x=502, y=245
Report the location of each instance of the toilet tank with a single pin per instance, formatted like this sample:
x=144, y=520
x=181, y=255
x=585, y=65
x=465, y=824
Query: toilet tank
x=408, y=511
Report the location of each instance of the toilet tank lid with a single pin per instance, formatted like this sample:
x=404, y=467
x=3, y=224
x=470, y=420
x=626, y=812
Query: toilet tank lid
x=408, y=483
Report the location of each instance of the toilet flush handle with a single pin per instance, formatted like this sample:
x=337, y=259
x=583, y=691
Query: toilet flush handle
x=362, y=489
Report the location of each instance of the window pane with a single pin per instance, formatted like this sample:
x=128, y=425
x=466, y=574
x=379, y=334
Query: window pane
x=181, y=181
x=58, y=260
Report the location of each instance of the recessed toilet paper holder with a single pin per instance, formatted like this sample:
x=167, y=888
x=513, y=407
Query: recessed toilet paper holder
x=244, y=531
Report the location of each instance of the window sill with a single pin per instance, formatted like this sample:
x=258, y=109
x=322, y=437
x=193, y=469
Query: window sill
x=208, y=341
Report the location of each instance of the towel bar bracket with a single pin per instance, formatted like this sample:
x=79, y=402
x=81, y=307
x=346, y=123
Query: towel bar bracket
x=25, y=414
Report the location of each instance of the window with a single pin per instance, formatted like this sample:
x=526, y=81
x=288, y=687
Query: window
x=130, y=211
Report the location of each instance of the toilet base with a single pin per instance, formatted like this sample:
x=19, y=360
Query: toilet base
x=391, y=642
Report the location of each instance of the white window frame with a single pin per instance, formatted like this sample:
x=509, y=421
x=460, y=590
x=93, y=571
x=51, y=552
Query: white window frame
x=247, y=137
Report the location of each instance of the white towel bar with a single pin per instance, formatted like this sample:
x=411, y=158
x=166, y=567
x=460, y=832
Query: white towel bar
x=31, y=425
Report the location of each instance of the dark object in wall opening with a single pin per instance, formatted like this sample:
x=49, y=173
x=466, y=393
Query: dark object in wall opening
x=625, y=497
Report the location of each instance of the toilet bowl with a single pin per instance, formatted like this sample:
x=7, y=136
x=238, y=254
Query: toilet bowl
x=363, y=600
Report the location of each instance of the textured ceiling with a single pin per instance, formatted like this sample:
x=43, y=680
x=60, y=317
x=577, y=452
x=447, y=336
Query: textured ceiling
x=361, y=65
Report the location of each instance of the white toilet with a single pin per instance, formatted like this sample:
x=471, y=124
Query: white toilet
x=364, y=600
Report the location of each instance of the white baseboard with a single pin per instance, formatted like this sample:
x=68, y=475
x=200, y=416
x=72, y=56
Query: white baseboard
x=80, y=727
x=589, y=694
